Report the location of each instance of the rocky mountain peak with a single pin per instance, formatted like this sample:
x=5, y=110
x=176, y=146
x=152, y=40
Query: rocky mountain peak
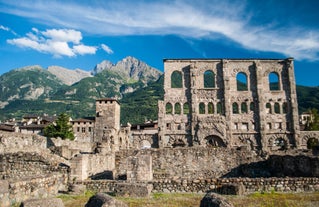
x=129, y=68
x=68, y=76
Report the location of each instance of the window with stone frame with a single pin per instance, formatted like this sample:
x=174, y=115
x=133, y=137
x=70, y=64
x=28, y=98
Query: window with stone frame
x=185, y=108
x=177, y=108
x=176, y=79
x=169, y=108
x=210, y=108
x=209, y=79
x=244, y=108
x=202, y=108
x=273, y=78
x=235, y=108
x=277, y=108
x=219, y=108
x=241, y=80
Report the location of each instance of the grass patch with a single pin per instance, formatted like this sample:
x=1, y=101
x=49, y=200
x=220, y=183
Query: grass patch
x=272, y=199
x=76, y=200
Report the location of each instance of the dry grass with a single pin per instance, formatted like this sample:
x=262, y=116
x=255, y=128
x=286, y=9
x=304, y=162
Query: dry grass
x=193, y=200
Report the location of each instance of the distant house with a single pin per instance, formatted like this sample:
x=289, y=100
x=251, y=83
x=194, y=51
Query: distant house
x=83, y=129
x=35, y=124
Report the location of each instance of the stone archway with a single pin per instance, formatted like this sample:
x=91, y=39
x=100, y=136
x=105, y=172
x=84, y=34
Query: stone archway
x=313, y=143
x=214, y=141
x=145, y=144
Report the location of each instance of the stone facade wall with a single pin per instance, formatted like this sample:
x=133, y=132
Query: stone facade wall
x=220, y=112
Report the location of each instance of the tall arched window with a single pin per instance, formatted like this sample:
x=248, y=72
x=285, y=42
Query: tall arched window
x=202, y=108
x=277, y=108
x=177, y=108
x=235, y=108
x=169, y=108
x=209, y=79
x=244, y=107
x=242, y=84
x=219, y=108
x=210, y=108
x=268, y=108
x=273, y=81
x=185, y=108
x=176, y=79
x=284, y=108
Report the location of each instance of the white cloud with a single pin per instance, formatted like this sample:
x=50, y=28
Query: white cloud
x=58, y=42
x=107, y=49
x=4, y=28
x=7, y=29
x=195, y=19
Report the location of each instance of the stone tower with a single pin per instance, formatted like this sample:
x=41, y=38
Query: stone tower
x=107, y=120
x=229, y=103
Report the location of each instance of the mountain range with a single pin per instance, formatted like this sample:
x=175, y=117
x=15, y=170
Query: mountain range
x=35, y=90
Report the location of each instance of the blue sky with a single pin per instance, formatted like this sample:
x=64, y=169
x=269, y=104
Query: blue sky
x=80, y=34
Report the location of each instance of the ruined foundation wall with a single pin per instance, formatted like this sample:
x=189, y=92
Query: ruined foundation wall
x=202, y=163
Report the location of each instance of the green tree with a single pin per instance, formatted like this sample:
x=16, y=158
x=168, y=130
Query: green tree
x=62, y=128
x=313, y=123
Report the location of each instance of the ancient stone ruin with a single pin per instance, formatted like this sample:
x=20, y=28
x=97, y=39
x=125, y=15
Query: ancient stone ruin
x=225, y=125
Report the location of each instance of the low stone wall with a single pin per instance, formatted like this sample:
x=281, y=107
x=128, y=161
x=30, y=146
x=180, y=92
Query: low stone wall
x=16, y=191
x=248, y=185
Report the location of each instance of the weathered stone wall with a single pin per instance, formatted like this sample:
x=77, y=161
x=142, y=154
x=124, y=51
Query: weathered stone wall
x=26, y=164
x=249, y=185
x=84, y=166
x=202, y=162
x=41, y=186
x=14, y=142
x=84, y=147
x=188, y=163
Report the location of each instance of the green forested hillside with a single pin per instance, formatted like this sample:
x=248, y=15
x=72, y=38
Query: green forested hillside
x=78, y=100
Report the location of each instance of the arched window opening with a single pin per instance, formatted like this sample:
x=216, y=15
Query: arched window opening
x=242, y=84
x=284, y=108
x=277, y=108
x=209, y=79
x=186, y=108
x=244, y=107
x=280, y=143
x=273, y=81
x=177, y=108
x=169, y=108
x=176, y=80
x=252, y=106
x=201, y=108
x=313, y=143
x=210, y=108
x=268, y=108
x=219, y=108
x=235, y=108
x=215, y=141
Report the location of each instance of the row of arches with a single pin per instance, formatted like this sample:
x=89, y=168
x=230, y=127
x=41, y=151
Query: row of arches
x=241, y=80
x=276, y=108
x=203, y=108
x=177, y=108
x=243, y=107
